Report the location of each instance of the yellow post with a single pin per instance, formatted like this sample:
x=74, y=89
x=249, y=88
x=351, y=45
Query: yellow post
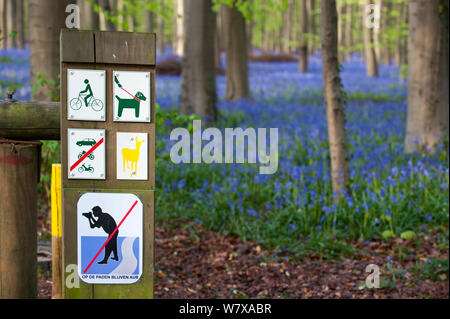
x=56, y=232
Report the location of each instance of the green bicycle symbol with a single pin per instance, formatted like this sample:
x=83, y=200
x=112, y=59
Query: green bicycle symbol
x=87, y=97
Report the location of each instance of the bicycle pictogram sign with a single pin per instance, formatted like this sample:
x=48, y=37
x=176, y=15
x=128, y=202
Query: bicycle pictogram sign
x=86, y=95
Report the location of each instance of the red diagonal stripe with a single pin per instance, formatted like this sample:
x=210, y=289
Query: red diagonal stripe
x=86, y=155
x=131, y=94
x=110, y=236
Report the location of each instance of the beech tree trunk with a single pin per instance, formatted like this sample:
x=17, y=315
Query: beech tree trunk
x=287, y=27
x=333, y=99
x=160, y=39
x=348, y=30
x=108, y=7
x=427, y=119
x=149, y=20
x=311, y=7
x=341, y=33
x=2, y=24
x=236, y=51
x=179, y=28
x=89, y=19
x=46, y=18
x=303, y=60
x=11, y=8
x=18, y=25
x=369, y=50
x=198, y=93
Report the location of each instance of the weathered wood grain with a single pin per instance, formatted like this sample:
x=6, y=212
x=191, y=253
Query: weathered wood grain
x=77, y=46
x=22, y=120
x=18, y=219
x=125, y=48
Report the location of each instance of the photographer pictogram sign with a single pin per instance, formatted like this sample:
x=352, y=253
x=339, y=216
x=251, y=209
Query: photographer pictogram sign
x=109, y=238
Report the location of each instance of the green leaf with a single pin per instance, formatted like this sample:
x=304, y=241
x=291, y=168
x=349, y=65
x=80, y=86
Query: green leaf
x=408, y=235
x=387, y=233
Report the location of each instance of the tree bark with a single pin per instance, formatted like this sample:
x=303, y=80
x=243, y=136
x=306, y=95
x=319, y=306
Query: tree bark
x=2, y=24
x=427, y=119
x=199, y=94
x=348, y=31
x=46, y=17
x=179, y=28
x=89, y=18
x=287, y=26
x=107, y=7
x=236, y=51
x=149, y=20
x=333, y=99
x=11, y=8
x=303, y=60
x=19, y=25
x=311, y=7
x=121, y=17
x=371, y=59
x=341, y=34
x=160, y=34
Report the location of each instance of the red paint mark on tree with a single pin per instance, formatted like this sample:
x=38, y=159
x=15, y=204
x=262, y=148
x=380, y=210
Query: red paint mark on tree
x=16, y=160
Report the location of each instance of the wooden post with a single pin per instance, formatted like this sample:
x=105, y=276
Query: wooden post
x=18, y=218
x=108, y=52
x=56, y=232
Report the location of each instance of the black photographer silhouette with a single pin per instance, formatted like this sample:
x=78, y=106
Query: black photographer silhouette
x=108, y=224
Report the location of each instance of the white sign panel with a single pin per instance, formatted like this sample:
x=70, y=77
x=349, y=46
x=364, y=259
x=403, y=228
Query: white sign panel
x=131, y=90
x=86, y=154
x=132, y=156
x=110, y=228
x=86, y=92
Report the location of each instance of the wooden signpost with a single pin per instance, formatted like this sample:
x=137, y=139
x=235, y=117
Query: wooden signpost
x=108, y=158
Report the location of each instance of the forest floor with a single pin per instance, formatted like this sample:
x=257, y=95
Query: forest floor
x=197, y=263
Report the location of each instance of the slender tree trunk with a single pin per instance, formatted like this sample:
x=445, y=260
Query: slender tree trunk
x=46, y=17
x=89, y=18
x=333, y=99
x=386, y=22
x=11, y=8
x=109, y=7
x=160, y=34
x=149, y=20
x=371, y=59
x=398, y=40
x=179, y=27
x=18, y=26
x=428, y=85
x=2, y=24
x=249, y=35
x=199, y=94
x=311, y=7
x=303, y=60
x=237, y=59
x=341, y=34
x=287, y=26
x=376, y=31
x=348, y=31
